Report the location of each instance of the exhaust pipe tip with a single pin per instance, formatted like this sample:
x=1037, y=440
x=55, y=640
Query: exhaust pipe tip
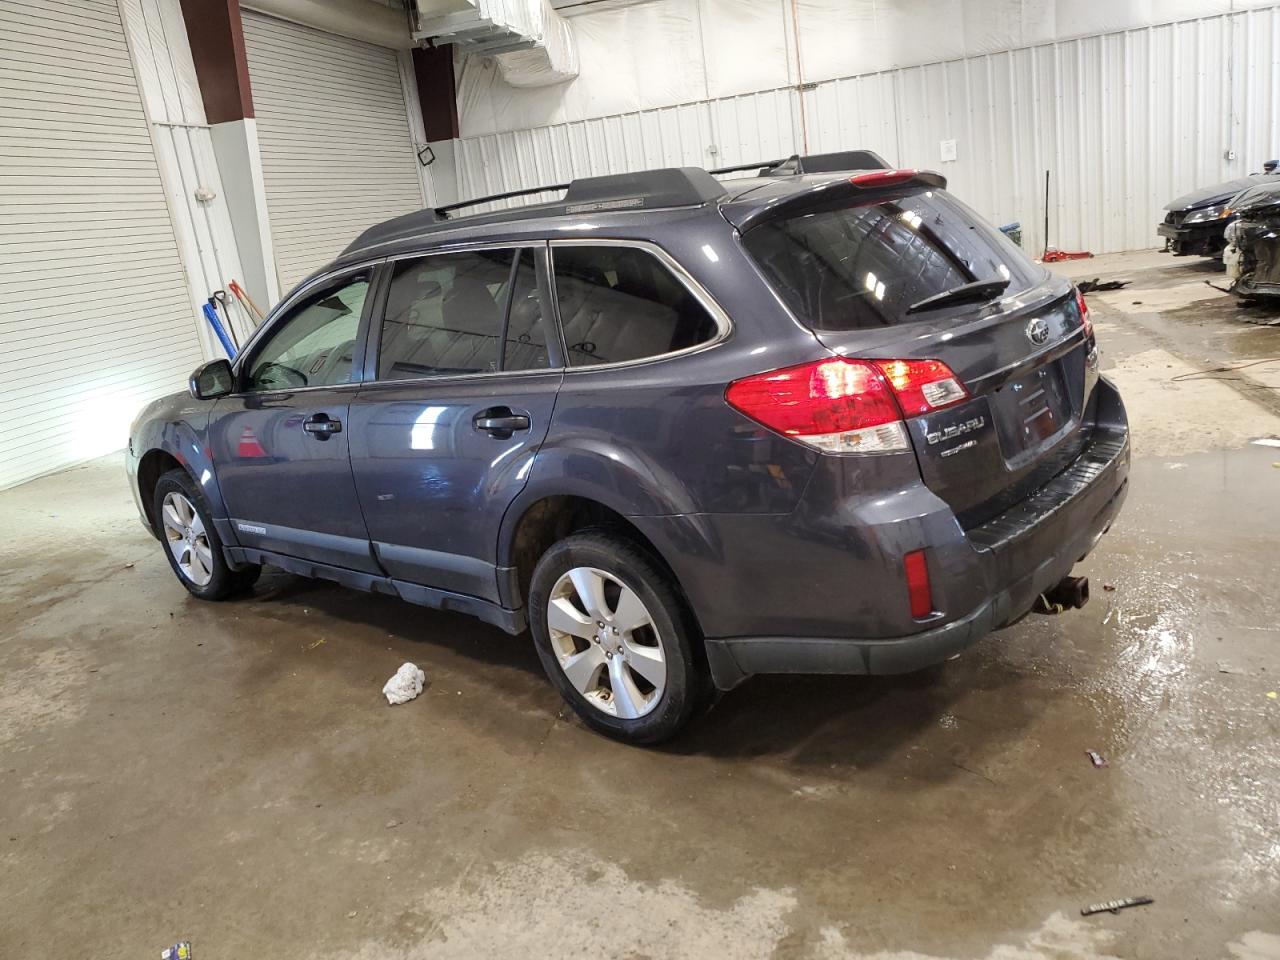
x=1069, y=593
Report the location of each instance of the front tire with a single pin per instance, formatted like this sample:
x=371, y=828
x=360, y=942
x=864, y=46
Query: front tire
x=615, y=638
x=191, y=542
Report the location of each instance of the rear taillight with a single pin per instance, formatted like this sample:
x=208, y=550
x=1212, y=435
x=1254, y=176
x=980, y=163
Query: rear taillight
x=844, y=405
x=1085, y=320
x=922, y=385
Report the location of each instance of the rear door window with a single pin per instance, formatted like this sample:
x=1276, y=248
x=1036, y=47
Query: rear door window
x=860, y=267
x=620, y=303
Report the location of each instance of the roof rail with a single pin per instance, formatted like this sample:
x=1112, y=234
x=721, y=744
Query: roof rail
x=762, y=165
x=668, y=187
x=827, y=163
x=444, y=211
x=811, y=163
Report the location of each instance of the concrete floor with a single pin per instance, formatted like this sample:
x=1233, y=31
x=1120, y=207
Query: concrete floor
x=230, y=774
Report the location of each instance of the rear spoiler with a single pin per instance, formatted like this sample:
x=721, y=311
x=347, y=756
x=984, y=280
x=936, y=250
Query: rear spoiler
x=783, y=198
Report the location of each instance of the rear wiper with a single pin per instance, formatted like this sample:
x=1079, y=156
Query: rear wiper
x=976, y=292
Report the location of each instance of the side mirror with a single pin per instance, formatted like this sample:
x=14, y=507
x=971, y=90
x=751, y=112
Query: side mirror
x=212, y=379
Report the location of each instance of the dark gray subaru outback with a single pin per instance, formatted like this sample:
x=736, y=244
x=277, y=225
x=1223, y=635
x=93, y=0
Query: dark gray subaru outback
x=683, y=430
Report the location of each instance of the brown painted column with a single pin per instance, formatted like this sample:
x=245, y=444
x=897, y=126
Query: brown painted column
x=216, y=35
x=437, y=91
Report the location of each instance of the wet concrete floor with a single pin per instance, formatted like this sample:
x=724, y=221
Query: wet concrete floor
x=230, y=774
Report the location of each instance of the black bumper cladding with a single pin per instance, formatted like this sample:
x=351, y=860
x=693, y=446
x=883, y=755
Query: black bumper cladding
x=1056, y=496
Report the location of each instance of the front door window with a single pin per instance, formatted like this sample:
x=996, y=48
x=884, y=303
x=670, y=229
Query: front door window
x=315, y=345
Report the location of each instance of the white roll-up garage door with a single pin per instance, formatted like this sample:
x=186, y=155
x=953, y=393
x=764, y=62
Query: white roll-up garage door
x=95, y=318
x=337, y=155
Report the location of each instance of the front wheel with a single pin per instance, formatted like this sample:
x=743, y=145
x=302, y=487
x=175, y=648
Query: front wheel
x=614, y=637
x=191, y=542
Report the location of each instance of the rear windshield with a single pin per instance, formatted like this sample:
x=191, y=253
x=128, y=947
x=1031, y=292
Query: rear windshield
x=860, y=267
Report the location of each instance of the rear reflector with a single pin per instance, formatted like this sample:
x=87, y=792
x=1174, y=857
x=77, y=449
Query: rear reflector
x=845, y=405
x=918, y=591
x=883, y=178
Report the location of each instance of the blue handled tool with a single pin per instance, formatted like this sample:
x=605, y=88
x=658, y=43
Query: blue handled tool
x=211, y=315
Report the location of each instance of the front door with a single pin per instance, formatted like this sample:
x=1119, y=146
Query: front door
x=443, y=439
x=280, y=443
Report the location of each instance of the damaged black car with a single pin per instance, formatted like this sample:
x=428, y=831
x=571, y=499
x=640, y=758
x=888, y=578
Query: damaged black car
x=1196, y=221
x=1252, y=255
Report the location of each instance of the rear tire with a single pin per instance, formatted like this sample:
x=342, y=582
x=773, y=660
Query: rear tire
x=190, y=541
x=615, y=637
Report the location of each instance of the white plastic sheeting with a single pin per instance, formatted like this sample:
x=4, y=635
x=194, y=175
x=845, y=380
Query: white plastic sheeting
x=552, y=59
x=1125, y=122
x=668, y=52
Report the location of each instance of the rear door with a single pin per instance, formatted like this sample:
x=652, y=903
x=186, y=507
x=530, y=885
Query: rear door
x=464, y=375
x=858, y=274
x=280, y=443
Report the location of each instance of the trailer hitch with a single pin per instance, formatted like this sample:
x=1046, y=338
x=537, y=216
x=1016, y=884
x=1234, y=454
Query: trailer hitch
x=1069, y=593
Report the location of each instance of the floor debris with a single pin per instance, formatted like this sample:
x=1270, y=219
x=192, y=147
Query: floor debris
x=1089, y=286
x=405, y=685
x=1115, y=906
x=1097, y=759
x=179, y=951
x=1109, y=587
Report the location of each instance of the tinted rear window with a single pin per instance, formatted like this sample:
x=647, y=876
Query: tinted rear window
x=861, y=267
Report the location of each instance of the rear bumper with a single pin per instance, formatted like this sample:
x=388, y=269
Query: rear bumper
x=983, y=579
x=734, y=660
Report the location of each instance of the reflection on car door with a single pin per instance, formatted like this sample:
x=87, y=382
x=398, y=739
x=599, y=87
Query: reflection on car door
x=280, y=444
x=444, y=440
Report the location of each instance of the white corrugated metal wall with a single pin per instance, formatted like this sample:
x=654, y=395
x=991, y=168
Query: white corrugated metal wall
x=94, y=313
x=337, y=152
x=1124, y=122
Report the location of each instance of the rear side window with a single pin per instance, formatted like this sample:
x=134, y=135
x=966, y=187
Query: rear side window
x=861, y=267
x=446, y=315
x=622, y=303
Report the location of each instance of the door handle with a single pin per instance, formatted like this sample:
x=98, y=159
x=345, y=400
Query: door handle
x=501, y=422
x=322, y=426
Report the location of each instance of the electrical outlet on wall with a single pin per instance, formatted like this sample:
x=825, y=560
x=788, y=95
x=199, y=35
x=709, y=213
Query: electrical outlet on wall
x=947, y=148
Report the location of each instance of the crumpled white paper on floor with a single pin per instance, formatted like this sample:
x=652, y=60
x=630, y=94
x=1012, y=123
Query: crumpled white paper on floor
x=405, y=685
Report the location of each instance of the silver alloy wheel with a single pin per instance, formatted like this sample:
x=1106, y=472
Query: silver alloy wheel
x=606, y=643
x=188, y=542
